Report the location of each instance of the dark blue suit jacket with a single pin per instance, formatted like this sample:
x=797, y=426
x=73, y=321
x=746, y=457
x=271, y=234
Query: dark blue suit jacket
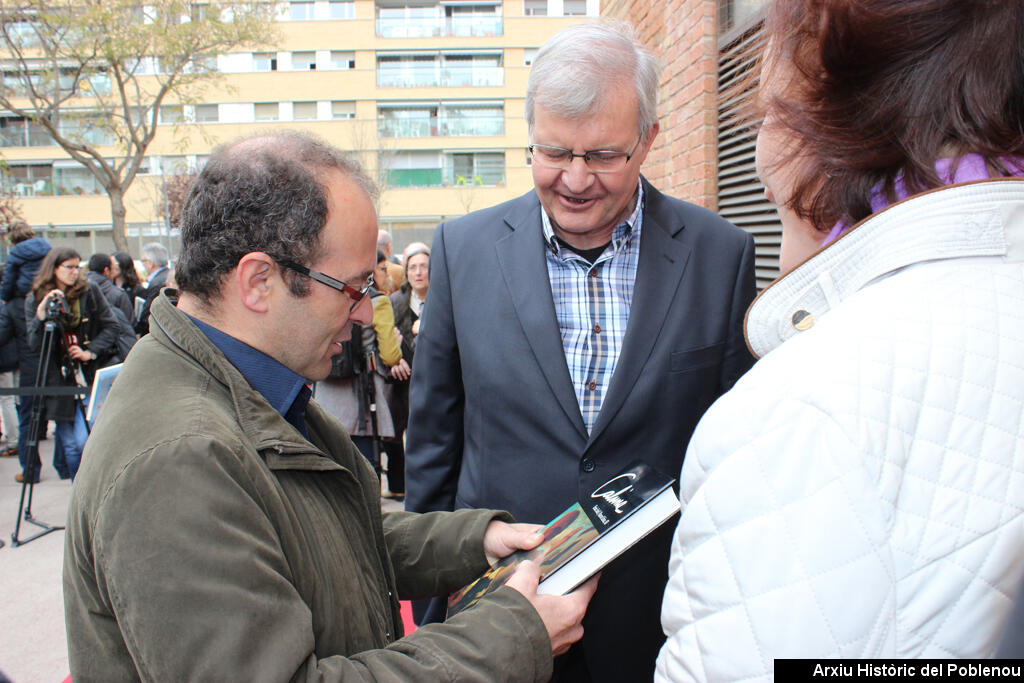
x=494, y=419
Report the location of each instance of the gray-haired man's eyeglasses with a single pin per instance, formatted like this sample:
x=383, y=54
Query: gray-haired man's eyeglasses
x=355, y=294
x=598, y=160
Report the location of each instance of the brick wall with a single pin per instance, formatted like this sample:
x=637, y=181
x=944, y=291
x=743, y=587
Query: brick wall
x=682, y=33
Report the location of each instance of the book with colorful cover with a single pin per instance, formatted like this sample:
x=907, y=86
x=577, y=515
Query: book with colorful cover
x=587, y=536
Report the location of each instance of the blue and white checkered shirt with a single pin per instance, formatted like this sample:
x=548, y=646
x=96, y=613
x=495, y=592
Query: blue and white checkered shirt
x=592, y=306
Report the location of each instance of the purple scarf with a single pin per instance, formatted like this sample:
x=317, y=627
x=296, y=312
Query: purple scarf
x=971, y=167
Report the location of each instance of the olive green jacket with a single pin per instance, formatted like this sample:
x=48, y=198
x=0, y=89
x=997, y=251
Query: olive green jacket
x=207, y=540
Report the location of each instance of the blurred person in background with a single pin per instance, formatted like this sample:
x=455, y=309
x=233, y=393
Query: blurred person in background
x=84, y=339
x=9, y=357
x=858, y=493
x=101, y=269
x=394, y=270
x=407, y=304
x=156, y=260
x=351, y=399
x=126, y=276
x=27, y=252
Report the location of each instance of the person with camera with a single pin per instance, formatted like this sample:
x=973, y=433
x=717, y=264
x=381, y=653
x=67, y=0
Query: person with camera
x=85, y=336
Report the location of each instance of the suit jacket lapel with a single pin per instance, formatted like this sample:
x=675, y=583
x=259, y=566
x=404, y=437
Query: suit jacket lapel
x=523, y=266
x=659, y=270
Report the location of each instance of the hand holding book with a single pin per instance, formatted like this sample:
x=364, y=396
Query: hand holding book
x=562, y=614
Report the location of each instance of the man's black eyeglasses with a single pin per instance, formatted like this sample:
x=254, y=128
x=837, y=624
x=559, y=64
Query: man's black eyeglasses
x=598, y=160
x=355, y=294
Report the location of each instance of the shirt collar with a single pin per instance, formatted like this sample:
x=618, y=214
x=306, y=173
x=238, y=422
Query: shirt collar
x=275, y=382
x=620, y=234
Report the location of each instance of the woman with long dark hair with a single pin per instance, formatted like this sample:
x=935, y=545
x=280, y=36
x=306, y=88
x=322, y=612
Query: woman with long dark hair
x=858, y=492
x=85, y=337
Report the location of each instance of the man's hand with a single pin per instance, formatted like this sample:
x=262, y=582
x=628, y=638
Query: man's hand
x=503, y=539
x=562, y=614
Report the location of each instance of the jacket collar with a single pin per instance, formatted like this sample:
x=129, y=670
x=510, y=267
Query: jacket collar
x=983, y=218
x=262, y=425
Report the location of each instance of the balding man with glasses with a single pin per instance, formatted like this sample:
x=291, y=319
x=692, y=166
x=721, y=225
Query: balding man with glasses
x=581, y=326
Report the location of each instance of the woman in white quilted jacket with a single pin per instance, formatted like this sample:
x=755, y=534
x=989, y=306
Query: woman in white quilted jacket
x=860, y=492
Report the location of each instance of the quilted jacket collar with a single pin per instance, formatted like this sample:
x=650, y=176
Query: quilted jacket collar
x=984, y=218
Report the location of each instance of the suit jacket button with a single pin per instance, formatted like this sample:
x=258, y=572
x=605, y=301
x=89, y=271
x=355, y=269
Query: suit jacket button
x=588, y=465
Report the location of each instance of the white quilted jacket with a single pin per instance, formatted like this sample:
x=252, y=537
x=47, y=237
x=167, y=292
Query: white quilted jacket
x=860, y=492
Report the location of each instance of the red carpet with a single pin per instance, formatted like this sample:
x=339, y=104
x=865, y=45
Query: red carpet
x=410, y=625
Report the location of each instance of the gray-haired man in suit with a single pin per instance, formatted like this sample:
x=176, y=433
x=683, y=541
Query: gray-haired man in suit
x=586, y=324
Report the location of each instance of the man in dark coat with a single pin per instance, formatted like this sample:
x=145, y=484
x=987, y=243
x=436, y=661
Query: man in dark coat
x=584, y=325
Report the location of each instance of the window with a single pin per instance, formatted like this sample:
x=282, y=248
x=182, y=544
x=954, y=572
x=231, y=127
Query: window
x=301, y=11
x=529, y=54
x=304, y=111
x=303, y=61
x=412, y=121
x=207, y=113
x=172, y=113
x=460, y=119
x=574, y=8
x=174, y=163
x=28, y=180
x=71, y=178
x=411, y=169
x=343, y=59
x=535, y=8
x=264, y=61
x=343, y=109
x=266, y=111
x=732, y=13
x=343, y=9
x=475, y=168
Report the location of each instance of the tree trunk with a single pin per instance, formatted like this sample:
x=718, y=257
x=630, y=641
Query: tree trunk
x=117, y=217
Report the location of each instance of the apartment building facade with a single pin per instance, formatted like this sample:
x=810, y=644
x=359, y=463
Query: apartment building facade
x=429, y=94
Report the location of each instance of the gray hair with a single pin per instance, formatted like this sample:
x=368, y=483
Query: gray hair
x=261, y=193
x=571, y=72
x=383, y=240
x=157, y=253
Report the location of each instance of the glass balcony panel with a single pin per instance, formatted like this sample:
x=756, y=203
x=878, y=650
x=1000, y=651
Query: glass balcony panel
x=406, y=76
x=474, y=26
x=473, y=125
x=402, y=127
x=38, y=137
x=461, y=77
x=14, y=134
x=75, y=181
x=414, y=177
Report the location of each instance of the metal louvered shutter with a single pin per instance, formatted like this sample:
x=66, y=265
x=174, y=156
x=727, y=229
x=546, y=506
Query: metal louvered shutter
x=741, y=197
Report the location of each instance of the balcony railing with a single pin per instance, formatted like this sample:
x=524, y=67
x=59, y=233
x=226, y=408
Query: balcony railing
x=441, y=177
x=435, y=127
x=465, y=27
x=435, y=76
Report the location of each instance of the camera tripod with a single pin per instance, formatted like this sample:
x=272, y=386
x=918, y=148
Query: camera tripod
x=36, y=427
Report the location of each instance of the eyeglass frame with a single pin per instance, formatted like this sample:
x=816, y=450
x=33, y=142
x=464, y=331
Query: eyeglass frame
x=355, y=294
x=586, y=156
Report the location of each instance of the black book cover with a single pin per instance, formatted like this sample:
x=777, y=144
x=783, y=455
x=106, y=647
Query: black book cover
x=575, y=530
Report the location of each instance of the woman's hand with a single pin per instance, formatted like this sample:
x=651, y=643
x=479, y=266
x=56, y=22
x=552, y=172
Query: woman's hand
x=41, y=308
x=80, y=354
x=401, y=370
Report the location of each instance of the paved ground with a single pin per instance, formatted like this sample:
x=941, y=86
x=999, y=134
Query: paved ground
x=33, y=644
